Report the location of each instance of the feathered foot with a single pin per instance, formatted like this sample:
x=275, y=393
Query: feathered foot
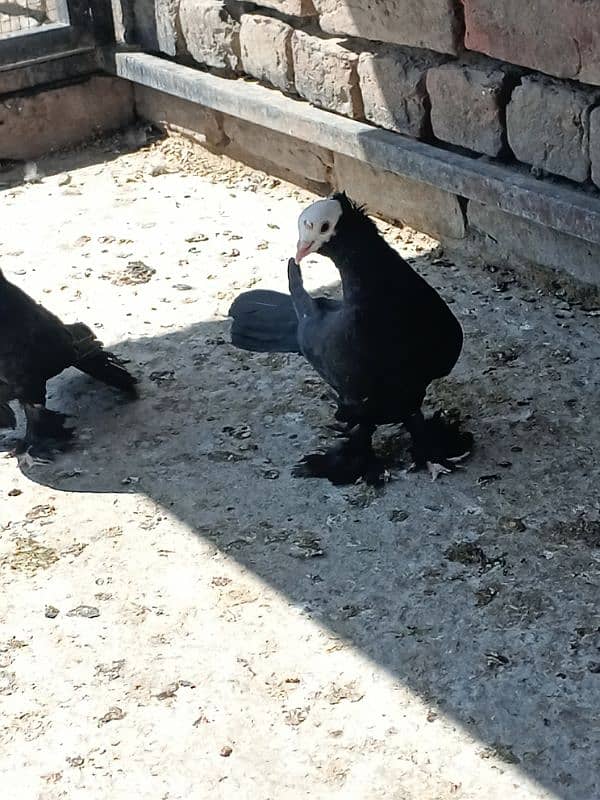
x=45, y=434
x=346, y=462
x=438, y=443
x=27, y=461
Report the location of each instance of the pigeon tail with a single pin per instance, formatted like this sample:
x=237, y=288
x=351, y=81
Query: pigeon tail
x=264, y=322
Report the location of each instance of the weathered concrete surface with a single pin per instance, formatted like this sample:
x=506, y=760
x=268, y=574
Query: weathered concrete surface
x=266, y=50
x=326, y=74
x=548, y=126
x=211, y=35
x=560, y=37
x=392, y=83
x=514, y=239
x=167, y=111
x=34, y=124
x=468, y=106
x=273, y=152
x=380, y=669
x=431, y=24
x=595, y=145
x=399, y=199
x=285, y=156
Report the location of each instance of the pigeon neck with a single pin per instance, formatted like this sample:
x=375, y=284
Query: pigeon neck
x=360, y=267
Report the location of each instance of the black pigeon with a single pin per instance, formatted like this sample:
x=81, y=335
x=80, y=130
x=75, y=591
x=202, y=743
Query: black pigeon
x=379, y=348
x=36, y=346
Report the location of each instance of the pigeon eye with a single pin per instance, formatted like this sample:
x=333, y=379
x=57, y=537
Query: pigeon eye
x=324, y=227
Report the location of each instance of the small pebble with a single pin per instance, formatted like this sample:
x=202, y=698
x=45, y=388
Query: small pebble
x=89, y=612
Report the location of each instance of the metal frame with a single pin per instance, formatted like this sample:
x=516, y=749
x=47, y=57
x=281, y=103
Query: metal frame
x=90, y=25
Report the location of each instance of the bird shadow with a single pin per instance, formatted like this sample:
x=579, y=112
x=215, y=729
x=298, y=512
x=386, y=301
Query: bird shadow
x=443, y=585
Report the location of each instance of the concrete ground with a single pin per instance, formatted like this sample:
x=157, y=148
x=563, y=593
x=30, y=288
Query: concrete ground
x=180, y=618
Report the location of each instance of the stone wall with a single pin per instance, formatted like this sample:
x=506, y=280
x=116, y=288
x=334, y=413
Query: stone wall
x=518, y=83
x=483, y=75
x=46, y=119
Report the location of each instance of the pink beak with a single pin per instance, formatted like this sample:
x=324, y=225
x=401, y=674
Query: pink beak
x=302, y=249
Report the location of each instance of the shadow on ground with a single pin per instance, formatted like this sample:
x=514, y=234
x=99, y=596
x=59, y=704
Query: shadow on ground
x=479, y=592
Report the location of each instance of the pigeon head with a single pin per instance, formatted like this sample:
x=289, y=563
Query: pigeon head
x=327, y=223
x=317, y=226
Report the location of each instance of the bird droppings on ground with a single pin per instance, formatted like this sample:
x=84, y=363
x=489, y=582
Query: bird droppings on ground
x=253, y=636
x=112, y=715
x=135, y=272
x=29, y=556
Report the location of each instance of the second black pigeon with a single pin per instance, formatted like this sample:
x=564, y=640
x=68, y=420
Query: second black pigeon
x=36, y=346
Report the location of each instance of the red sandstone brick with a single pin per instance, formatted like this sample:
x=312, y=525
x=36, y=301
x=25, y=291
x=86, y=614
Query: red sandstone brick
x=560, y=37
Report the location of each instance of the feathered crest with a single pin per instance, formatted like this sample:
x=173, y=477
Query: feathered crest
x=353, y=212
x=348, y=204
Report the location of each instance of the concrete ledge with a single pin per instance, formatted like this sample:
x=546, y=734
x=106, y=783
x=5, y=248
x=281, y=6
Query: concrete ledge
x=419, y=205
x=284, y=156
x=35, y=124
x=548, y=204
x=513, y=239
x=168, y=112
x=289, y=158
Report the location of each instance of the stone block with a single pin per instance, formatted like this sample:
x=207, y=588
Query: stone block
x=267, y=147
x=211, y=35
x=595, y=145
x=173, y=113
x=48, y=120
x=266, y=49
x=152, y=24
x=394, y=93
x=560, y=37
x=166, y=26
x=293, y=8
x=468, y=106
x=399, y=199
x=326, y=74
x=519, y=241
x=548, y=126
x=429, y=24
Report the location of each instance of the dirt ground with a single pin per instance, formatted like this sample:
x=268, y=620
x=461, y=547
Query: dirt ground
x=181, y=618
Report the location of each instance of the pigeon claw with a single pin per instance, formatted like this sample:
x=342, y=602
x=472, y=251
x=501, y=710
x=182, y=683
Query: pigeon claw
x=27, y=460
x=435, y=469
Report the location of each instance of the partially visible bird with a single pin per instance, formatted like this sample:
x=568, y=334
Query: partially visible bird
x=379, y=348
x=36, y=346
